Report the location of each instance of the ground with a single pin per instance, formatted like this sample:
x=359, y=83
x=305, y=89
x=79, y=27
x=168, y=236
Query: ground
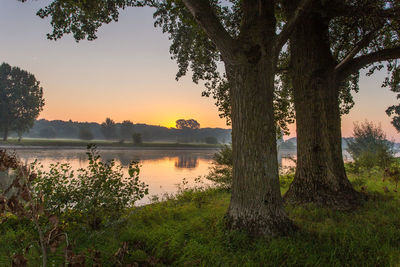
x=189, y=231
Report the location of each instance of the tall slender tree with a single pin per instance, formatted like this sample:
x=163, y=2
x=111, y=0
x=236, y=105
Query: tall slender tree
x=250, y=51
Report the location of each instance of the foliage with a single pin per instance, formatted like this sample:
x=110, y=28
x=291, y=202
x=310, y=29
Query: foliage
x=21, y=200
x=369, y=40
x=21, y=99
x=211, y=140
x=183, y=233
x=220, y=172
x=48, y=132
x=126, y=130
x=370, y=147
x=393, y=174
x=109, y=129
x=137, y=138
x=85, y=133
x=94, y=194
x=187, y=124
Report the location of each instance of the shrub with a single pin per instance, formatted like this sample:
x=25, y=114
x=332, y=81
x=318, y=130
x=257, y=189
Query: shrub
x=85, y=133
x=393, y=174
x=369, y=147
x=97, y=193
x=221, y=170
x=137, y=138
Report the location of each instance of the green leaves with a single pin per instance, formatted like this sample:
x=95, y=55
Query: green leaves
x=21, y=99
x=93, y=194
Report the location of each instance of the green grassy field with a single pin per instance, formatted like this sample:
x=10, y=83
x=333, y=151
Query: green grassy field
x=100, y=143
x=189, y=231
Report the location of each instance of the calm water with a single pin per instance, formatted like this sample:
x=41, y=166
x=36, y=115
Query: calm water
x=162, y=170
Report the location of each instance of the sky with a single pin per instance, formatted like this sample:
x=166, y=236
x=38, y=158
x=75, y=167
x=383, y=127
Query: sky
x=127, y=74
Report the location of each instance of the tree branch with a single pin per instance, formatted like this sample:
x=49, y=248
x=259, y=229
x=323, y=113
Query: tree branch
x=205, y=16
x=356, y=11
x=357, y=48
x=284, y=35
x=359, y=62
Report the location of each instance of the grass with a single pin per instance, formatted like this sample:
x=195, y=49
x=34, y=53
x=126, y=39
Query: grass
x=189, y=231
x=101, y=143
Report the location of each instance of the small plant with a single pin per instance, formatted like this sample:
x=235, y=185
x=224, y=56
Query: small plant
x=93, y=194
x=393, y=174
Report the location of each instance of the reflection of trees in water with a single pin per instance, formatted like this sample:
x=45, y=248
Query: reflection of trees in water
x=186, y=161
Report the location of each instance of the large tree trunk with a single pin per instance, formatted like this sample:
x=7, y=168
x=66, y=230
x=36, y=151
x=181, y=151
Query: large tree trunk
x=320, y=176
x=256, y=204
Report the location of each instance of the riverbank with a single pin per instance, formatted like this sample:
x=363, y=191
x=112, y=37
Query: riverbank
x=188, y=230
x=102, y=144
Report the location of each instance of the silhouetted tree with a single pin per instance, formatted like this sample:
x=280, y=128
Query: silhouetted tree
x=21, y=100
x=137, y=138
x=85, y=133
x=109, y=129
x=48, y=132
x=126, y=130
x=187, y=124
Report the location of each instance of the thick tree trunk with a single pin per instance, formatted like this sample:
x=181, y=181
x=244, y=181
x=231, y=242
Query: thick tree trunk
x=5, y=133
x=256, y=204
x=320, y=176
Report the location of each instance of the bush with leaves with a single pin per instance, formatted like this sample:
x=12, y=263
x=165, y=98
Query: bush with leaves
x=94, y=194
x=221, y=170
x=21, y=200
x=393, y=174
x=369, y=147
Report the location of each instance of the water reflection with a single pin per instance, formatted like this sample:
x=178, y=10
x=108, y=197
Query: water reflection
x=186, y=161
x=162, y=170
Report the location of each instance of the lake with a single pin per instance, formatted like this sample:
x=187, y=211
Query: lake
x=161, y=169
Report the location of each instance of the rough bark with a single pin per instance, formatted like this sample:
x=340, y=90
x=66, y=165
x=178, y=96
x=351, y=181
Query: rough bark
x=320, y=175
x=256, y=203
x=250, y=60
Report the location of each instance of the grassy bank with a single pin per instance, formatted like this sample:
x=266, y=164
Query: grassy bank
x=189, y=231
x=100, y=143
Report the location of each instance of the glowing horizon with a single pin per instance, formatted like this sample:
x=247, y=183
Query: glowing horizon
x=132, y=78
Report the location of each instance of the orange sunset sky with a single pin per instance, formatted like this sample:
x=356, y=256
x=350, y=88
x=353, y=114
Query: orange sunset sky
x=127, y=73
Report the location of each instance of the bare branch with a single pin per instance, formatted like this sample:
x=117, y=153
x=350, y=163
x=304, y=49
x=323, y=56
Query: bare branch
x=205, y=16
x=359, y=62
x=287, y=30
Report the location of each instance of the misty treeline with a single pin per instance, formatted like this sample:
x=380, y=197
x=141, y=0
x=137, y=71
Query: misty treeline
x=91, y=130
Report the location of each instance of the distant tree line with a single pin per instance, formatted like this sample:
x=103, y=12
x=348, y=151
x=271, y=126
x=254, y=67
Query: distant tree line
x=125, y=131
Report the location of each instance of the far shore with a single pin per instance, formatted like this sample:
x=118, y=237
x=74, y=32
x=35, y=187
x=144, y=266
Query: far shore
x=101, y=144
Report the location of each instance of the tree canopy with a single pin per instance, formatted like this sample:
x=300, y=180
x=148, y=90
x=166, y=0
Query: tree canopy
x=247, y=37
x=187, y=124
x=21, y=99
x=109, y=129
